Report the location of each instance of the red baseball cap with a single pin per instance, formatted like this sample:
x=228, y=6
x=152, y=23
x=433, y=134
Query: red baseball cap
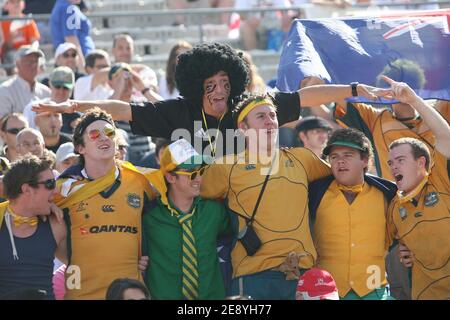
x=316, y=284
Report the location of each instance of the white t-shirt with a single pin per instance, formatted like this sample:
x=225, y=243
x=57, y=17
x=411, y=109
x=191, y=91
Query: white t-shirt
x=30, y=115
x=82, y=90
x=164, y=90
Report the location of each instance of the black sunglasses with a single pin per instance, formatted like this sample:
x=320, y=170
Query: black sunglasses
x=14, y=130
x=60, y=87
x=49, y=184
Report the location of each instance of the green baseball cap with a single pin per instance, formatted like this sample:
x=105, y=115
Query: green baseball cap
x=341, y=143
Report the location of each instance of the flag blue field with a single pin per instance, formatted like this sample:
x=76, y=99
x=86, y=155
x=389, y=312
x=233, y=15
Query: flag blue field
x=340, y=51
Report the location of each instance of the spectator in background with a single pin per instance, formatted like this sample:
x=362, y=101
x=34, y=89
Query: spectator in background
x=127, y=289
x=65, y=157
x=123, y=51
x=12, y=124
x=17, y=92
x=256, y=84
x=69, y=24
x=16, y=33
x=67, y=55
x=152, y=158
x=94, y=86
x=61, y=86
x=121, y=145
x=167, y=85
x=30, y=140
x=313, y=132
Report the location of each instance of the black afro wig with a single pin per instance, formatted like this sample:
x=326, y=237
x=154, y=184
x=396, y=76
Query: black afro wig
x=206, y=60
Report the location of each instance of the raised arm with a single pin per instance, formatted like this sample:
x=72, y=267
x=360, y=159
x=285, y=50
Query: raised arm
x=323, y=94
x=119, y=110
x=437, y=124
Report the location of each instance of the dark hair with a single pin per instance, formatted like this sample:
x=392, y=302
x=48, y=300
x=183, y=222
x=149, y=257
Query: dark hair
x=90, y=116
x=418, y=149
x=117, y=288
x=246, y=99
x=6, y=118
x=159, y=144
x=404, y=71
x=93, y=56
x=204, y=61
x=120, y=36
x=353, y=136
x=172, y=63
x=24, y=170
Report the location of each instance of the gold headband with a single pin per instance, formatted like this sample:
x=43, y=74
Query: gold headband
x=252, y=105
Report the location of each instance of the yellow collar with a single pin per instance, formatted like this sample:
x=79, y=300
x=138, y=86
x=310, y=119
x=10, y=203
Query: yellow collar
x=355, y=189
x=408, y=197
x=19, y=220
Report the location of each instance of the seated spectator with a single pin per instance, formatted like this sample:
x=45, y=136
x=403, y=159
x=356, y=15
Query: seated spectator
x=123, y=51
x=167, y=85
x=61, y=87
x=94, y=86
x=16, y=33
x=12, y=124
x=121, y=145
x=65, y=157
x=67, y=55
x=17, y=92
x=30, y=140
x=152, y=158
x=127, y=289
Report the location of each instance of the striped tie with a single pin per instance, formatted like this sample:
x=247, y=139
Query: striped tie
x=190, y=269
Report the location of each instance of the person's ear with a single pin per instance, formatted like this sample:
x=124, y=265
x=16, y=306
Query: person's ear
x=422, y=161
x=170, y=178
x=26, y=189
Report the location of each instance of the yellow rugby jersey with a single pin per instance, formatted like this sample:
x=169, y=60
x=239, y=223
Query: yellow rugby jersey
x=282, y=219
x=382, y=128
x=351, y=238
x=105, y=237
x=425, y=230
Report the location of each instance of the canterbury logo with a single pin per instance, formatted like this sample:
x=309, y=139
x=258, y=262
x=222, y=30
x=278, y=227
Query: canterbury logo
x=108, y=208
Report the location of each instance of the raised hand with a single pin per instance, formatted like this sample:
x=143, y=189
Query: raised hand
x=401, y=91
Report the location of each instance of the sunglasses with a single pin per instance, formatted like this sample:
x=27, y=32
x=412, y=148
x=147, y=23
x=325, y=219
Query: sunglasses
x=49, y=184
x=61, y=87
x=14, y=130
x=192, y=174
x=68, y=55
x=107, y=130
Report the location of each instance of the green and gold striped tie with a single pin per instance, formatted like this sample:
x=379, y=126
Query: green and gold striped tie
x=190, y=268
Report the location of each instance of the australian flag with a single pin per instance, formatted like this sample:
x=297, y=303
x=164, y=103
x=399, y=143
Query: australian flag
x=412, y=49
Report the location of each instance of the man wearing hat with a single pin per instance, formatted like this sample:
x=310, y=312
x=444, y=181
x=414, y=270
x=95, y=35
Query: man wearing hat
x=181, y=230
x=316, y=284
x=348, y=216
x=61, y=85
x=65, y=157
x=17, y=92
x=313, y=133
x=103, y=201
x=67, y=55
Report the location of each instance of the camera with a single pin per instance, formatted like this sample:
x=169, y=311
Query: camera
x=249, y=239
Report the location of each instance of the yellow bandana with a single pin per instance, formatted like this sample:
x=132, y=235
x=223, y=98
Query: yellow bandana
x=355, y=189
x=252, y=105
x=19, y=220
x=408, y=197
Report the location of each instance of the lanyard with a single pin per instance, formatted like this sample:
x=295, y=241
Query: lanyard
x=213, y=148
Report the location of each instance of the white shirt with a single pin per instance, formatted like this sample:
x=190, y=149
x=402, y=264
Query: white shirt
x=30, y=115
x=83, y=91
x=164, y=90
x=16, y=93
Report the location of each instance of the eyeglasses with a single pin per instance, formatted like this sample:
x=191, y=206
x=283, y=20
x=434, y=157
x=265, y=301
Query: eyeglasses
x=107, y=130
x=49, y=184
x=68, y=55
x=61, y=87
x=14, y=130
x=192, y=174
x=122, y=147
